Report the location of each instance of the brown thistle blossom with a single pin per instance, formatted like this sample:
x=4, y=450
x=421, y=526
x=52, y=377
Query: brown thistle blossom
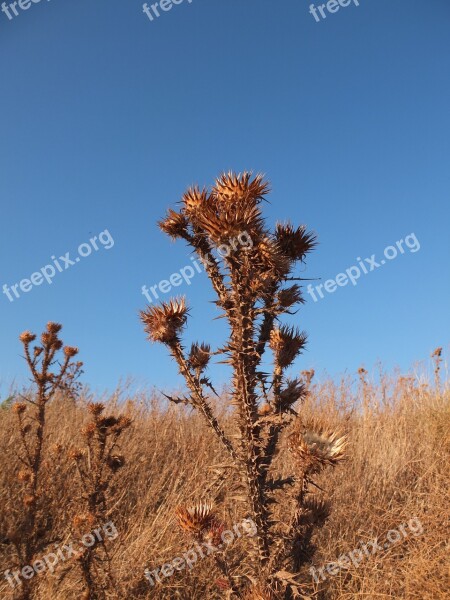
x=96, y=408
x=317, y=446
x=27, y=337
x=54, y=327
x=294, y=243
x=194, y=200
x=199, y=355
x=70, y=351
x=115, y=462
x=286, y=343
x=232, y=187
x=290, y=296
x=163, y=323
x=19, y=408
x=196, y=519
x=175, y=224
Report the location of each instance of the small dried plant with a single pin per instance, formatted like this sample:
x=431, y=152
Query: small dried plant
x=29, y=537
x=98, y=464
x=437, y=359
x=255, y=285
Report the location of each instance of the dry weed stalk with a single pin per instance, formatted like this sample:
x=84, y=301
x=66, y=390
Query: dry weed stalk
x=30, y=535
x=254, y=287
x=97, y=465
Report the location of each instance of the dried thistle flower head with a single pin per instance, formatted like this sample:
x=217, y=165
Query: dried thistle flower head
x=196, y=519
x=26, y=337
x=123, y=422
x=286, y=343
x=174, y=225
x=193, y=200
x=232, y=187
x=317, y=446
x=70, y=351
x=163, y=323
x=290, y=296
x=96, y=408
x=199, y=355
x=89, y=430
x=293, y=391
x=19, y=408
x=115, y=462
x=294, y=243
x=53, y=327
x=437, y=352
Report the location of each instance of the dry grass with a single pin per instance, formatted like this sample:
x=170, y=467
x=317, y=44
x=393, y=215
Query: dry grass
x=397, y=469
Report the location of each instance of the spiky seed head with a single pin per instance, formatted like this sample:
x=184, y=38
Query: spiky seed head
x=37, y=351
x=26, y=337
x=163, y=323
x=294, y=243
x=271, y=258
x=437, y=352
x=115, y=462
x=194, y=200
x=286, y=343
x=54, y=327
x=293, y=391
x=123, y=422
x=199, y=355
x=289, y=297
x=317, y=446
x=70, y=351
x=232, y=187
x=174, y=225
x=196, y=519
x=96, y=408
x=19, y=408
x=88, y=430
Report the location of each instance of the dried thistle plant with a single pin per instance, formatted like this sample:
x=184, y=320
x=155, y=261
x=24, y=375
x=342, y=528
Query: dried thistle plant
x=254, y=287
x=30, y=538
x=98, y=464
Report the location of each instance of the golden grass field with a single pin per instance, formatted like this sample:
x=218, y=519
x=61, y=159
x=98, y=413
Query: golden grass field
x=396, y=469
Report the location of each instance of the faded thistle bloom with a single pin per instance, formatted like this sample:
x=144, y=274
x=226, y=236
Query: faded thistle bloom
x=286, y=343
x=163, y=323
x=200, y=521
x=317, y=446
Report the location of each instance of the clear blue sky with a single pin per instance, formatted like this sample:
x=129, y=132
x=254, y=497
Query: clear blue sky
x=106, y=117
